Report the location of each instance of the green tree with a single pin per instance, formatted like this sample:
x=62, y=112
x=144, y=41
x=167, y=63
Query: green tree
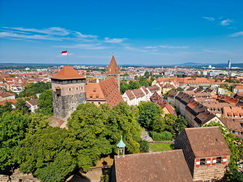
x=144, y=146
x=87, y=137
x=45, y=154
x=150, y=116
x=122, y=121
x=170, y=121
x=146, y=74
x=45, y=102
x=124, y=87
x=33, y=88
x=21, y=106
x=5, y=108
x=13, y=128
x=133, y=85
x=180, y=124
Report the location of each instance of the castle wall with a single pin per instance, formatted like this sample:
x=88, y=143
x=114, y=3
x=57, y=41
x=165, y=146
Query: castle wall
x=210, y=172
x=64, y=105
x=70, y=96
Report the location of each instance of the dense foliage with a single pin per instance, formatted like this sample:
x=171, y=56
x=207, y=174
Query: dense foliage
x=5, y=108
x=150, y=116
x=52, y=154
x=13, y=127
x=161, y=127
x=140, y=81
x=45, y=102
x=33, y=88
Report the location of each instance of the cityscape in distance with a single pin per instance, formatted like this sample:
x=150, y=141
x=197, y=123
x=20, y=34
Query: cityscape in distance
x=121, y=91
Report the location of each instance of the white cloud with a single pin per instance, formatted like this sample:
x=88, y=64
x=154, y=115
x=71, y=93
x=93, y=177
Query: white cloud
x=150, y=47
x=237, y=34
x=51, y=33
x=85, y=36
x=209, y=18
x=134, y=49
x=173, y=47
x=115, y=40
x=24, y=36
x=226, y=22
x=85, y=46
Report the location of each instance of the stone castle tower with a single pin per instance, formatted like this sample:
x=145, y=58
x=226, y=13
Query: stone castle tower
x=68, y=91
x=113, y=71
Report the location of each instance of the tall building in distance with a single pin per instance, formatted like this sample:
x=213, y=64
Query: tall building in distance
x=68, y=91
x=229, y=64
x=113, y=71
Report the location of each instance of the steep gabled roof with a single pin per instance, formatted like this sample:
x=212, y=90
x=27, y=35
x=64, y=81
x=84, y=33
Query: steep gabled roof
x=110, y=90
x=113, y=67
x=67, y=73
x=152, y=167
x=207, y=141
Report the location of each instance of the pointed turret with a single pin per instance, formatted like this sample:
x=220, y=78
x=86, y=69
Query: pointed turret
x=113, y=70
x=113, y=67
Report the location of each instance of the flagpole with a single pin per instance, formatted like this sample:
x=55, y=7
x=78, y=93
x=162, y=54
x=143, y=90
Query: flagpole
x=67, y=58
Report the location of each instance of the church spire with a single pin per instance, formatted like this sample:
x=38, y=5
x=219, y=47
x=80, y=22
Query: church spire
x=113, y=67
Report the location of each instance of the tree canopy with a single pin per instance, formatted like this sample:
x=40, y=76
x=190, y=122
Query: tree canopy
x=13, y=127
x=33, y=88
x=45, y=102
x=150, y=116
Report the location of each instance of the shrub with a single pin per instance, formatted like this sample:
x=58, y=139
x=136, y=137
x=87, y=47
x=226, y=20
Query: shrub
x=165, y=135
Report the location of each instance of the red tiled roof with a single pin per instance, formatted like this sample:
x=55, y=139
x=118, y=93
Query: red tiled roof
x=4, y=94
x=55, y=122
x=13, y=101
x=207, y=142
x=164, y=166
x=130, y=94
x=67, y=73
x=113, y=68
x=110, y=90
x=94, y=92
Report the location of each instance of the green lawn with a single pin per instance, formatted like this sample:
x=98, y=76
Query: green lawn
x=155, y=147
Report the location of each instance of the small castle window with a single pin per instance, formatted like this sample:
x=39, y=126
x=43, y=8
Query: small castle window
x=202, y=162
x=70, y=89
x=76, y=88
x=91, y=96
x=218, y=160
x=241, y=124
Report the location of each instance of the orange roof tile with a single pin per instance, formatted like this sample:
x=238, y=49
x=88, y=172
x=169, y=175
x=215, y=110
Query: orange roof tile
x=94, y=92
x=67, y=73
x=110, y=90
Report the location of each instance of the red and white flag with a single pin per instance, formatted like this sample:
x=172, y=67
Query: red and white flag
x=64, y=53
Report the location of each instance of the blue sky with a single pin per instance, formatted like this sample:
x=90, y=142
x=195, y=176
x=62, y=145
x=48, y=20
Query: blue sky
x=147, y=32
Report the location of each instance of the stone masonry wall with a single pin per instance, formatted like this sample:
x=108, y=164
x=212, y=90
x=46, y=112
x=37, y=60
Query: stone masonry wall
x=65, y=105
x=216, y=171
